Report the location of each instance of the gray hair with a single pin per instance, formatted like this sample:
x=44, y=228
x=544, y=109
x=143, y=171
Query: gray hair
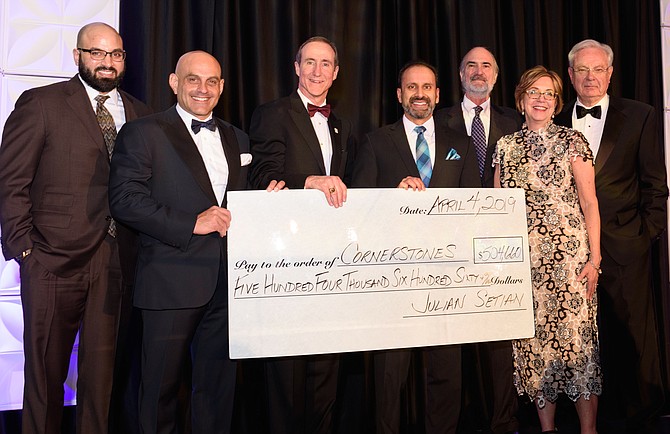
x=591, y=43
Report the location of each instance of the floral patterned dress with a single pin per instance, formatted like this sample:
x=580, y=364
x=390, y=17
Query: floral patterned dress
x=563, y=357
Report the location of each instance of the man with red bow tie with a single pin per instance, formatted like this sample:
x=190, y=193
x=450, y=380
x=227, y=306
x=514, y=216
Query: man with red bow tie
x=299, y=142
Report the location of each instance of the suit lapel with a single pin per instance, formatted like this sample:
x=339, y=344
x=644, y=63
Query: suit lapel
x=77, y=99
x=442, y=140
x=612, y=129
x=181, y=140
x=232, y=150
x=456, y=121
x=335, y=126
x=399, y=139
x=302, y=121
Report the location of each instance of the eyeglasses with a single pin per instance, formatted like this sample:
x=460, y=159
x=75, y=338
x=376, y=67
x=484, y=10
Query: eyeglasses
x=116, y=55
x=549, y=95
x=582, y=70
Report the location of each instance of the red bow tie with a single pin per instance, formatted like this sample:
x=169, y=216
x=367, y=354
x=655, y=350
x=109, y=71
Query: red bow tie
x=324, y=109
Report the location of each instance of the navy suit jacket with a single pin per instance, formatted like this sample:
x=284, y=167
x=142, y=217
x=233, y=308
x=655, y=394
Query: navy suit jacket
x=630, y=178
x=285, y=147
x=504, y=121
x=158, y=186
x=384, y=159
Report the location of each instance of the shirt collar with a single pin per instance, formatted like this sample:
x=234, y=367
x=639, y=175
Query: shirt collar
x=92, y=93
x=188, y=118
x=409, y=126
x=470, y=106
x=306, y=100
x=604, y=103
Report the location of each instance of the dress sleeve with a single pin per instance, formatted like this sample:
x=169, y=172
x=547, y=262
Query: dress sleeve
x=578, y=147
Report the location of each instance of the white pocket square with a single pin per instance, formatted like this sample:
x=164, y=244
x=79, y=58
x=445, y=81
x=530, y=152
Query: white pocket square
x=453, y=155
x=245, y=159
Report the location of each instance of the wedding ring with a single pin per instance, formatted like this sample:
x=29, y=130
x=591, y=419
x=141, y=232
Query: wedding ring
x=331, y=190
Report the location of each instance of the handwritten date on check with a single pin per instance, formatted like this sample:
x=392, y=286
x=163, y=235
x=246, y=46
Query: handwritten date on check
x=390, y=269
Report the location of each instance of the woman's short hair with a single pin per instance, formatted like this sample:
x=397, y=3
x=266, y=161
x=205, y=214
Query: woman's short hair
x=529, y=78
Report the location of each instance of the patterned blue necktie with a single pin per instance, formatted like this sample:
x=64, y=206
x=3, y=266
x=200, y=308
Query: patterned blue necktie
x=423, y=156
x=479, y=139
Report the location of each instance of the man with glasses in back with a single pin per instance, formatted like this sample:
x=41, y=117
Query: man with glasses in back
x=632, y=192
x=54, y=212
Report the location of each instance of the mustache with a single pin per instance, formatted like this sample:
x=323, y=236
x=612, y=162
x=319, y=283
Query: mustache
x=419, y=98
x=478, y=77
x=106, y=68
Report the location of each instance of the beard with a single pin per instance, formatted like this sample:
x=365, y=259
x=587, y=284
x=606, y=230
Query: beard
x=481, y=87
x=100, y=84
x=419, y=114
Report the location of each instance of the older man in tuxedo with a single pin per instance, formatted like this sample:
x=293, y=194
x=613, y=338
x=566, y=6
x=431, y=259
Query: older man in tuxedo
x=298, y=141
x=485, y=123
x=632, y=194
x=169, y=178
x=414, y=153
x=54, y=169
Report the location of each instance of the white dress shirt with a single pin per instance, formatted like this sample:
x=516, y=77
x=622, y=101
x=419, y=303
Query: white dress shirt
x=591, y=127
x=211, y=150
x=320, y=124
x=468, y=108
x=114, y=104
x=429, y=135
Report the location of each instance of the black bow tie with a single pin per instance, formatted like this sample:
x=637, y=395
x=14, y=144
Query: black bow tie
x=593, y=111
x=196, y=125
x=324, y=109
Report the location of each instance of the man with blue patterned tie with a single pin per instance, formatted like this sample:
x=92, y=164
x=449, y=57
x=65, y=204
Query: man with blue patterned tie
x=415, y=153
x=490, y=394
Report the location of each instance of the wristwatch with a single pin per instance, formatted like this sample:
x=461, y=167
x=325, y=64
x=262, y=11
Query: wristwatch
x=23, y=255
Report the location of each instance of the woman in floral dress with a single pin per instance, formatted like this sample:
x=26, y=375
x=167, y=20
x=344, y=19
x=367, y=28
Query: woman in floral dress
x=554, y=165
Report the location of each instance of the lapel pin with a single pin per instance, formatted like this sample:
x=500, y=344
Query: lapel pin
x=336, y=132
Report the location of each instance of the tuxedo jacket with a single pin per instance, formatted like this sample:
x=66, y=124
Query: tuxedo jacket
x=158, y=186
x=384, y=159
x=504, y=121
x=630, y=178
x=285, y=147
x=54, y=170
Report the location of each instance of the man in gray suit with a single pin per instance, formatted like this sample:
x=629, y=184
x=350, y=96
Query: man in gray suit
x=492, y=372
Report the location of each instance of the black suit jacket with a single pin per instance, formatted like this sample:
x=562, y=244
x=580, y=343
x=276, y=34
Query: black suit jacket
x=630, y=178
x=54, y=170
x=285, y=147
x=503, y=121
x=384, y=159
x=158, y=186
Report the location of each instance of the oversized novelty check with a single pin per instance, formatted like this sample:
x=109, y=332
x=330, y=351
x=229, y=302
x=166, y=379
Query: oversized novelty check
x=389, y=269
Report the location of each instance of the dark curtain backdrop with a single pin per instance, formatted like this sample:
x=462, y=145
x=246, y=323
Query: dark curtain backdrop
x=256, y=41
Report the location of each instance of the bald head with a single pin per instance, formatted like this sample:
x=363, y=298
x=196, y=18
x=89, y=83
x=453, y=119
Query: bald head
x=197, y=83
x=97, y=30
x=96, y=39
